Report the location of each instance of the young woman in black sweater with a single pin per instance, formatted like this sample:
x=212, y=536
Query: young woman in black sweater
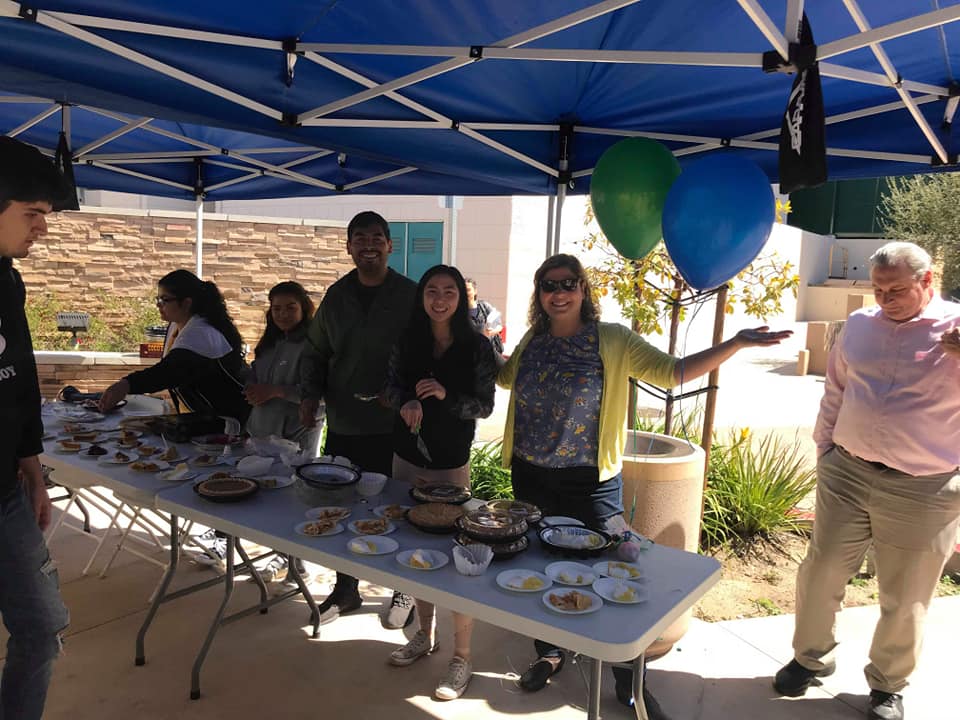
x=202, y=364
x=441, y=379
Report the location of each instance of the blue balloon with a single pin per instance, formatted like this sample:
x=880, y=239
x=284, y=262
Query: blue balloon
x=716, y=219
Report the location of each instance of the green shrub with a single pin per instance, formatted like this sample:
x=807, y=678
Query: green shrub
x=116, y=324
x=753, y=488
x=488, y=479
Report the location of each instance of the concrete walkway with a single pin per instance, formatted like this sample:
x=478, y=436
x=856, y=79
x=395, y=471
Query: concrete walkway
x=267, y=666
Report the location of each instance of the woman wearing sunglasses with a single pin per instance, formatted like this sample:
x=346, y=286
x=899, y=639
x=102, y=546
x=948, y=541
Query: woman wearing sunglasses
x=567, y=417
x=202, y=364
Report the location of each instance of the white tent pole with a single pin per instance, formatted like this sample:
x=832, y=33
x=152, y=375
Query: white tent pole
x=49, y=20
x=860, y=19
x=142, y=176
x=551, y=205
x=793, y=20
x=561, y=194
x=199, y=209
x=897, y=29
x=34, y=120
x=554, y=26
x=129, y=127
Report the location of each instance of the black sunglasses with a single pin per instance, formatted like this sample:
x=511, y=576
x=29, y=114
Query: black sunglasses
x=566, y=284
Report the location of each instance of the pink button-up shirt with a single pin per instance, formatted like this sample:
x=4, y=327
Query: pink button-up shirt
x=892, y=394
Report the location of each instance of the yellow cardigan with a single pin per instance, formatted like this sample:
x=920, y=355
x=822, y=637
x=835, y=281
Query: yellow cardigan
x=623, y=354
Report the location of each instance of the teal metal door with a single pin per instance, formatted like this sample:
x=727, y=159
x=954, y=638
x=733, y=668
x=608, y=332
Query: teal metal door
x=398, y=258
x=417, y=247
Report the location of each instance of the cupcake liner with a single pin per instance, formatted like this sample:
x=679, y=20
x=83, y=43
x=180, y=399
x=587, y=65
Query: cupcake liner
x=472, y=559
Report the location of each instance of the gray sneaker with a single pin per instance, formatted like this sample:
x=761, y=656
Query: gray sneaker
x=275, y=570
x=455, y=682
x=418, y=646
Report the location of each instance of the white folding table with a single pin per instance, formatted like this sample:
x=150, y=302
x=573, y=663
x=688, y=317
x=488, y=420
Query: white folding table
x=616, y=633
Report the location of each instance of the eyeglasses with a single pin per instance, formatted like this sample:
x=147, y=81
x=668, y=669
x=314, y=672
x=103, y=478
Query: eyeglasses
x=164, y=299
x=566, y=284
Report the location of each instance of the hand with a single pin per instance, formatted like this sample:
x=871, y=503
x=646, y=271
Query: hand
x=412, y=414
x=308, y=412
x=761, y=336
x=950, y=342
x=113, y=395
x=428, y=387
x=259, y=393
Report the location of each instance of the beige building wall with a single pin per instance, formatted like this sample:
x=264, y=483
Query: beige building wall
x=92, y=255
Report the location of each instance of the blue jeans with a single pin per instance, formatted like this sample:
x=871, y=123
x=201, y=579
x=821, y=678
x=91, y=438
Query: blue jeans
x=32, y=611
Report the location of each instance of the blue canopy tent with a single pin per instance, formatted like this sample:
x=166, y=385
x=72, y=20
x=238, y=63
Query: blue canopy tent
x=469, y=97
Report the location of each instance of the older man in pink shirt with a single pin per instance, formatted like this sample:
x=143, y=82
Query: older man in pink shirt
x=888, y=440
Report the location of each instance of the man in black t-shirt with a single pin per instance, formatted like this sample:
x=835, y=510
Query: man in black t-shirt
x=30, y=600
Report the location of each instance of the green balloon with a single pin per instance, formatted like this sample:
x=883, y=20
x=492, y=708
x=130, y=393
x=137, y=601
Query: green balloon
x=628, y=189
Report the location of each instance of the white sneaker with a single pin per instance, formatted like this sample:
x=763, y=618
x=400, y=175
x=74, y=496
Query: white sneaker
x=400, y=613
x=455, y=682
x=275, y=570
x=418, y=646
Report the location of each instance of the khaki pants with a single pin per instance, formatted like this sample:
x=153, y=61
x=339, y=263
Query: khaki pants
x=912, y=524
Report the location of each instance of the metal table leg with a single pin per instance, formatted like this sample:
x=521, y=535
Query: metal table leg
x=215, y=625
x=593, y=697
x=308, y=596
x=638, y=705
x=140, y=657
x=264, y=597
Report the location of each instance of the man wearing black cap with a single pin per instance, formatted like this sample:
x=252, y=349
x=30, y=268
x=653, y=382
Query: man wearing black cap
x=30, y=600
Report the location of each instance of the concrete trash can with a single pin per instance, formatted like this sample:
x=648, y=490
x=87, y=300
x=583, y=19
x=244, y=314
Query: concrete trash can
x=662, y=496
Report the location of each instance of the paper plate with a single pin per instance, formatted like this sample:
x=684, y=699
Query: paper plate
x=437, y=559
x=372, y=545
x=514, y=579
x=595, y=602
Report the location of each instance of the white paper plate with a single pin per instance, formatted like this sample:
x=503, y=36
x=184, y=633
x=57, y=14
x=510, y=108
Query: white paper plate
x=570, y=572
x=335, y=530
x=75, y=427
x=314, y=513
x=273, y=482
x=379, y=511
x=142, y=449
x=168, y=475
x=88, y=437
x=618, y=569
x=160, y=465
x=511, y=580
x=86, y=452
x=353, y=528
x=560, y=520
x=595, y=605
x=383, y=545
x=607, y=588
x=437, y=558
x=110, y=459
x=59, y=448
x=213, y=462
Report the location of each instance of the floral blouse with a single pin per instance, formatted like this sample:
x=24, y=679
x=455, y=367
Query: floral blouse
x=558, y=390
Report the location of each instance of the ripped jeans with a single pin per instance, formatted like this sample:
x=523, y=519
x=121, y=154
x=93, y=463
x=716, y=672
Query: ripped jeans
x=32, y=611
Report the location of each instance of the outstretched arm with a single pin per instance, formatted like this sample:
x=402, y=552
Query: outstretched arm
x=693, y=366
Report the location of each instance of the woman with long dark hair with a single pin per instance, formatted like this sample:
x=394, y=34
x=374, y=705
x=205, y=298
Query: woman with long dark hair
x=273, y=387
x=202, y=364
x=567, y=419
x=441, y=379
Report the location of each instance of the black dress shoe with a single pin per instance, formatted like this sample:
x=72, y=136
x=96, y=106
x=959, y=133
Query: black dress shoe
x=336, y=605
x=885, y=706
x=793, y=679
x=542, y=669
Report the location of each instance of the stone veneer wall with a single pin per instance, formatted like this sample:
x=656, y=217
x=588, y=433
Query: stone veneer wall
x=91, y=254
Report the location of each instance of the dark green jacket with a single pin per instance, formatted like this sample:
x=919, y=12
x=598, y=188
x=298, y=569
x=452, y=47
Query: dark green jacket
x=347, y=352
